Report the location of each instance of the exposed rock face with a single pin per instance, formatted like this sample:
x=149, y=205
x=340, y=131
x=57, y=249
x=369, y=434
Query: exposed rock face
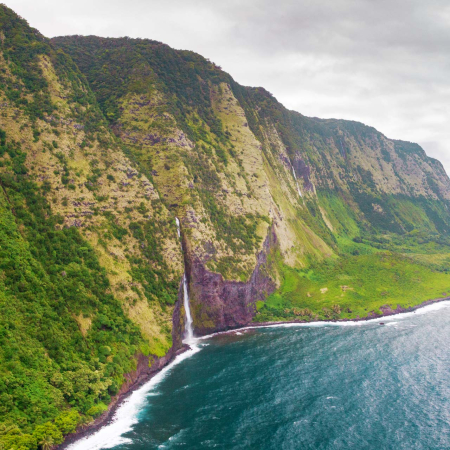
x=178, y=320
x=115, y=161
x=303, y=171
x=218, y=304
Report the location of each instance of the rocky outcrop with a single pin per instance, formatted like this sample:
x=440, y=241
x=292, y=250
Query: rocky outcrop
x=303, y=171
x=218, y=304
x=178, y=321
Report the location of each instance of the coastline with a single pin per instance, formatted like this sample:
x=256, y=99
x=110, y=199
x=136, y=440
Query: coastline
x=145, y=375
x=142, y=378
x=386, y=312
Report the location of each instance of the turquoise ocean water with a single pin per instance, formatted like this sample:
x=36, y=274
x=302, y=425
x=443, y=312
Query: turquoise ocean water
x=357, y=386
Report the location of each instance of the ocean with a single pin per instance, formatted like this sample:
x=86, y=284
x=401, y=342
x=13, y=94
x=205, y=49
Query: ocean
x=358, y=385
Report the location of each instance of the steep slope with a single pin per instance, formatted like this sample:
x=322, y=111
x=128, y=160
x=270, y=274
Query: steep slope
x=90, y=262
x=233, y=163
x=103, y=142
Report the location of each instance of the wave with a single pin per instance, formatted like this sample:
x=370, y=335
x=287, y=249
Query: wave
x=395, y=317
x=126, y=415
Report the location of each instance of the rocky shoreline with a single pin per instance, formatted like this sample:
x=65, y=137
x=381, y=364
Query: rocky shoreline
x=386, y=311
x=135, y=380
x=143, y=373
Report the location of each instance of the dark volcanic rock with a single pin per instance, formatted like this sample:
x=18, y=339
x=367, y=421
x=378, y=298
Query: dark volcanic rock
x=217, y=304
x=303, y=171
x=178, y=321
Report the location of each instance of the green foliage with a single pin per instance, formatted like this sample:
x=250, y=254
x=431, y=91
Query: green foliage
x=354, y=286
x=47, y=434
x=116, y=230
x=238, y=232
x=116, y=67
x=186, y=79
x=151, y=269
x=49, y=275
x=67, y=421
x=54, y=374
x=22, y=47
x=97, y=410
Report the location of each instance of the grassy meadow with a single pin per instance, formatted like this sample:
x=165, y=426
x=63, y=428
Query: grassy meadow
x=352, y=286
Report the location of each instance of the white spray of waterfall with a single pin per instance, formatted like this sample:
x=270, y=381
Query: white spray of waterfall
x=295, y=178
x=187, y=307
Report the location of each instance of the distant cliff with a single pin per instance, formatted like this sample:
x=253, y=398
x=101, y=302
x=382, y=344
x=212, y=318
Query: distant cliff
x=103, y=142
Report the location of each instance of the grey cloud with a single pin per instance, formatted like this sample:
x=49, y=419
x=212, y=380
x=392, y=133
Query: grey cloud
x=381, y=62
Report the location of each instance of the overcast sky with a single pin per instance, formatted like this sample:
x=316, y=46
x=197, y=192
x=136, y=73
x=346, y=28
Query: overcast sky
x=381, y=62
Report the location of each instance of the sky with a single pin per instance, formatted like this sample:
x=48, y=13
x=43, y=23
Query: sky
x=383, y=63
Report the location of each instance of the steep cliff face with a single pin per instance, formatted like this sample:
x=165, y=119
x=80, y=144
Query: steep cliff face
x=218, y=304
x=103, y=142
x=231, y=161
x=90, y=262
x=88, y=181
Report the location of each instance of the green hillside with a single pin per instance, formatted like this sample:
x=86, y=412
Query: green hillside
x=104, y=142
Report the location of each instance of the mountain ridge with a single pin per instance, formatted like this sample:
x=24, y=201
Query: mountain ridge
x=103, y=142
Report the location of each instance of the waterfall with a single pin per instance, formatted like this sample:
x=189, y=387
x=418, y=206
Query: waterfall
x=187, y=307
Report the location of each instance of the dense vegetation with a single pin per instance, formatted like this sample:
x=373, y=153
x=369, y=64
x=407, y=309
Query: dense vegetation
x=66, y=339
x=24, y=47
x=49, y=276
x=103, y=142
x=117, y=67
x=175, y=83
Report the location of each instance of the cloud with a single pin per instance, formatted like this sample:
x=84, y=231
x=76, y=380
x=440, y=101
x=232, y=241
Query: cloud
x=384, y=63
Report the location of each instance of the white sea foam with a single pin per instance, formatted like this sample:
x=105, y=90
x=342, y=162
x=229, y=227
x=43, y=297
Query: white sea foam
x=395, y=317
x=127, y=414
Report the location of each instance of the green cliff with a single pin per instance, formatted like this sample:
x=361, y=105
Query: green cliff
x=231, y=162
x=103, y=142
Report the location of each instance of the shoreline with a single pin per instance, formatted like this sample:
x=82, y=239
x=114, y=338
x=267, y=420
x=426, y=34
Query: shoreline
x=143, y=378
x=107, y=417
x=386, y=312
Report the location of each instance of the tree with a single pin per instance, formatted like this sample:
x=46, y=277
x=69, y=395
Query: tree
x=47, y=435
x=67, y=421
x=46, y=443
